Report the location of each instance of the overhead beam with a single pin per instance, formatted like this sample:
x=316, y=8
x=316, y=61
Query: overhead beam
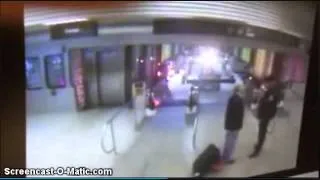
x=125, y=39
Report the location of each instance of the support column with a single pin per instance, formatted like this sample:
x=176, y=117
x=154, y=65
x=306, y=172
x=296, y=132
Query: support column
x=142, y=63
x=149, y=65
x=129, y=70
x=158, y=58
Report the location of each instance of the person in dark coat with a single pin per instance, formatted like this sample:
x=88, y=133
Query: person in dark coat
x=267, y=109
x=233, y=124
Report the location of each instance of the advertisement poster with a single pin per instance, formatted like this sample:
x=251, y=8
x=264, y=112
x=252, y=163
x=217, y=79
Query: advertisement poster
x=55, y=72
x=33, y=73
x=295, y=69
x=77, y=71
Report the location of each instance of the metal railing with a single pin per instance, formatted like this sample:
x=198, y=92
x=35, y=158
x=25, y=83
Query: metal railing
x=194, y=133
x=109, y=125
x=194, y=98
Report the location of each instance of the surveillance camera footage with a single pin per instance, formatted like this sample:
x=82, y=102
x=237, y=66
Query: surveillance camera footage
x=171, y=101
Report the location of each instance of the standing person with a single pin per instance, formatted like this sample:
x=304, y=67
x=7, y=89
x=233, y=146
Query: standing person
x=267, y=109
x=233, y=124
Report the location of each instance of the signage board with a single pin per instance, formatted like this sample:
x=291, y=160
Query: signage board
x=74, y=30
x=223, y=28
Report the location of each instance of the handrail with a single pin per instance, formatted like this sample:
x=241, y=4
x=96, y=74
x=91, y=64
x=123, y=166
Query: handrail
x=194, y=135
x=113, y=149
x=195, y=129
x=113, y=139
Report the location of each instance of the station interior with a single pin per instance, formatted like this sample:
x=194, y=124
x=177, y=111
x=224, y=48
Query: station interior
x=87, y=97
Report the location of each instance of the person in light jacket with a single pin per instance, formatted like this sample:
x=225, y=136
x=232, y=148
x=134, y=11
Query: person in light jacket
x=233, y=123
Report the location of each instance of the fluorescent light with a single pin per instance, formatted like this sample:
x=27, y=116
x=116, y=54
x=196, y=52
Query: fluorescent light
x=64, y=21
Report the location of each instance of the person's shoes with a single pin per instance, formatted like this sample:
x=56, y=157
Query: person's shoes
x=254, y=155
x=229, y=162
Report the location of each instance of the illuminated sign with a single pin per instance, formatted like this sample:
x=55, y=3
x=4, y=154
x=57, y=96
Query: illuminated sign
x=246, y=54
x=73, y=30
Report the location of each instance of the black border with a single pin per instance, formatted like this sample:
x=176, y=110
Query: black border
x=13, y=113
x=27, y=85
x=46, y=64
x=13, y=120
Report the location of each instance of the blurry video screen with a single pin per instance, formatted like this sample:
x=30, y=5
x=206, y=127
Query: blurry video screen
x=136, y=97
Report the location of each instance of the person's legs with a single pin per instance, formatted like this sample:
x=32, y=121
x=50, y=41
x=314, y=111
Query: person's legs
x=226, y=148
x=234, y=140
x=263, y=126
x=229, y=146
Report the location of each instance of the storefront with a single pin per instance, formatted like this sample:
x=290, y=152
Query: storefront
x=295, y=69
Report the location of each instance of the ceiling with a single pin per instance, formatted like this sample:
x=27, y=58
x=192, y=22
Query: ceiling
x=293, y=17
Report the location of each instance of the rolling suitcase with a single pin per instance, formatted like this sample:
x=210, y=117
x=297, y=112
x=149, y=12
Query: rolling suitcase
x=203, y=163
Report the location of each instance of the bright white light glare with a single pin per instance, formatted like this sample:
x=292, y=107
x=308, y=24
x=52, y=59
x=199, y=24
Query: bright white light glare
x=64, y=21
x=171, y=72
x=209, y=58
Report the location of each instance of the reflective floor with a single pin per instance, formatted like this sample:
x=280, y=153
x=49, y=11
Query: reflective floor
x=163, y=147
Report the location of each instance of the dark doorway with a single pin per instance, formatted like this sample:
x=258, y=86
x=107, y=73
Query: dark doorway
x=90, y=67
x=128, y=72
x=111, y=76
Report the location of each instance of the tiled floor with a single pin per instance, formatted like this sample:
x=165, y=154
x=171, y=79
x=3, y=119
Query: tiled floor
x=163, y=147
x=69, y=139
x=308, y=175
